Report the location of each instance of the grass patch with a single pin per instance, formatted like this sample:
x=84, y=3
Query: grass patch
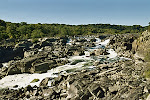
x=35, y=80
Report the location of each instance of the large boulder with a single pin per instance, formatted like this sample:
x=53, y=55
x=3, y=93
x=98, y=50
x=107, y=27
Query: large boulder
x=24, y=45
x=45, y=43
x=1, y=65
x=44, y=82
x=9, y=53
x=41, y=68
x=13, y=70
x=141, y=45
x=28, y=53
x=96, y=90
x=34, y=46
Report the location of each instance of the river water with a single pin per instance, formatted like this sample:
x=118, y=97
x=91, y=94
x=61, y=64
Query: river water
x=77, y=63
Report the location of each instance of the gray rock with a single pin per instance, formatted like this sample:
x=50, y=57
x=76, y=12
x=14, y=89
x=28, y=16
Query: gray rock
x=13, y=70
x=1, y=65
x=96, y=90
x=46, y=43
x=41, y=68
x=28, y=53
x=44, y=82
x=34, y=46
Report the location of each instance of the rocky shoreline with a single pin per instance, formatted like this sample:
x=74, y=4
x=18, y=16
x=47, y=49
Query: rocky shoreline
x=103, y=79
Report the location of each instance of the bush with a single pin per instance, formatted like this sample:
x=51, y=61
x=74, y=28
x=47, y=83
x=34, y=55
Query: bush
x=35, y=40
x=37, y=34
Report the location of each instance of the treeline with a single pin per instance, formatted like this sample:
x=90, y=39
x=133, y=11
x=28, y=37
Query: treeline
x=23, y=30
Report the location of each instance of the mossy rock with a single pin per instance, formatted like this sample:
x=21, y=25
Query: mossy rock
x=35, y=80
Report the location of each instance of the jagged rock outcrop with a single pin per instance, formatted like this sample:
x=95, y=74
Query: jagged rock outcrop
x=142, y=44
x=122, y=43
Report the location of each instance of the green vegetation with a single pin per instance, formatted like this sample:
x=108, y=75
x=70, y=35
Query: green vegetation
x=35, y=80
x=23, y=30
x=35, y=40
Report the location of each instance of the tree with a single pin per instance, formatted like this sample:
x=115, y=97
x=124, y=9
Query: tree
x=2, y=23
x=37, y=34
x=23, y=23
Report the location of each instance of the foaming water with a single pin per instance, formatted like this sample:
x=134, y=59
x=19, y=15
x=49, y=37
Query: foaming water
x=112, y=53
x=76, y=63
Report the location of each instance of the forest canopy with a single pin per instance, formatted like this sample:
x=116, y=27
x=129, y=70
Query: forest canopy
x=23, y=30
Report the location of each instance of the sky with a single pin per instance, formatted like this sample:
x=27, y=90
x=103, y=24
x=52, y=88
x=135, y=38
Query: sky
x=75, y=12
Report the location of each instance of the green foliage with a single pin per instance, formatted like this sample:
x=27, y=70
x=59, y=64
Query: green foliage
x=35, y=40
x=2, y=23
x=35, y=80
x=37, y=34
x=24, y=31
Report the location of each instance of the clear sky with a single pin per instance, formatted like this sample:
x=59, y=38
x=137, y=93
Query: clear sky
x=124, y=12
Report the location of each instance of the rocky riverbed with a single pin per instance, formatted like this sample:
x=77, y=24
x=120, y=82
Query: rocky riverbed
x=73, y=68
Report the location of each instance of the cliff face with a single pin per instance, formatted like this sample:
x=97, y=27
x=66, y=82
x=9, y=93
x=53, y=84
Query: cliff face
x=141, y=50
x=141, y=46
